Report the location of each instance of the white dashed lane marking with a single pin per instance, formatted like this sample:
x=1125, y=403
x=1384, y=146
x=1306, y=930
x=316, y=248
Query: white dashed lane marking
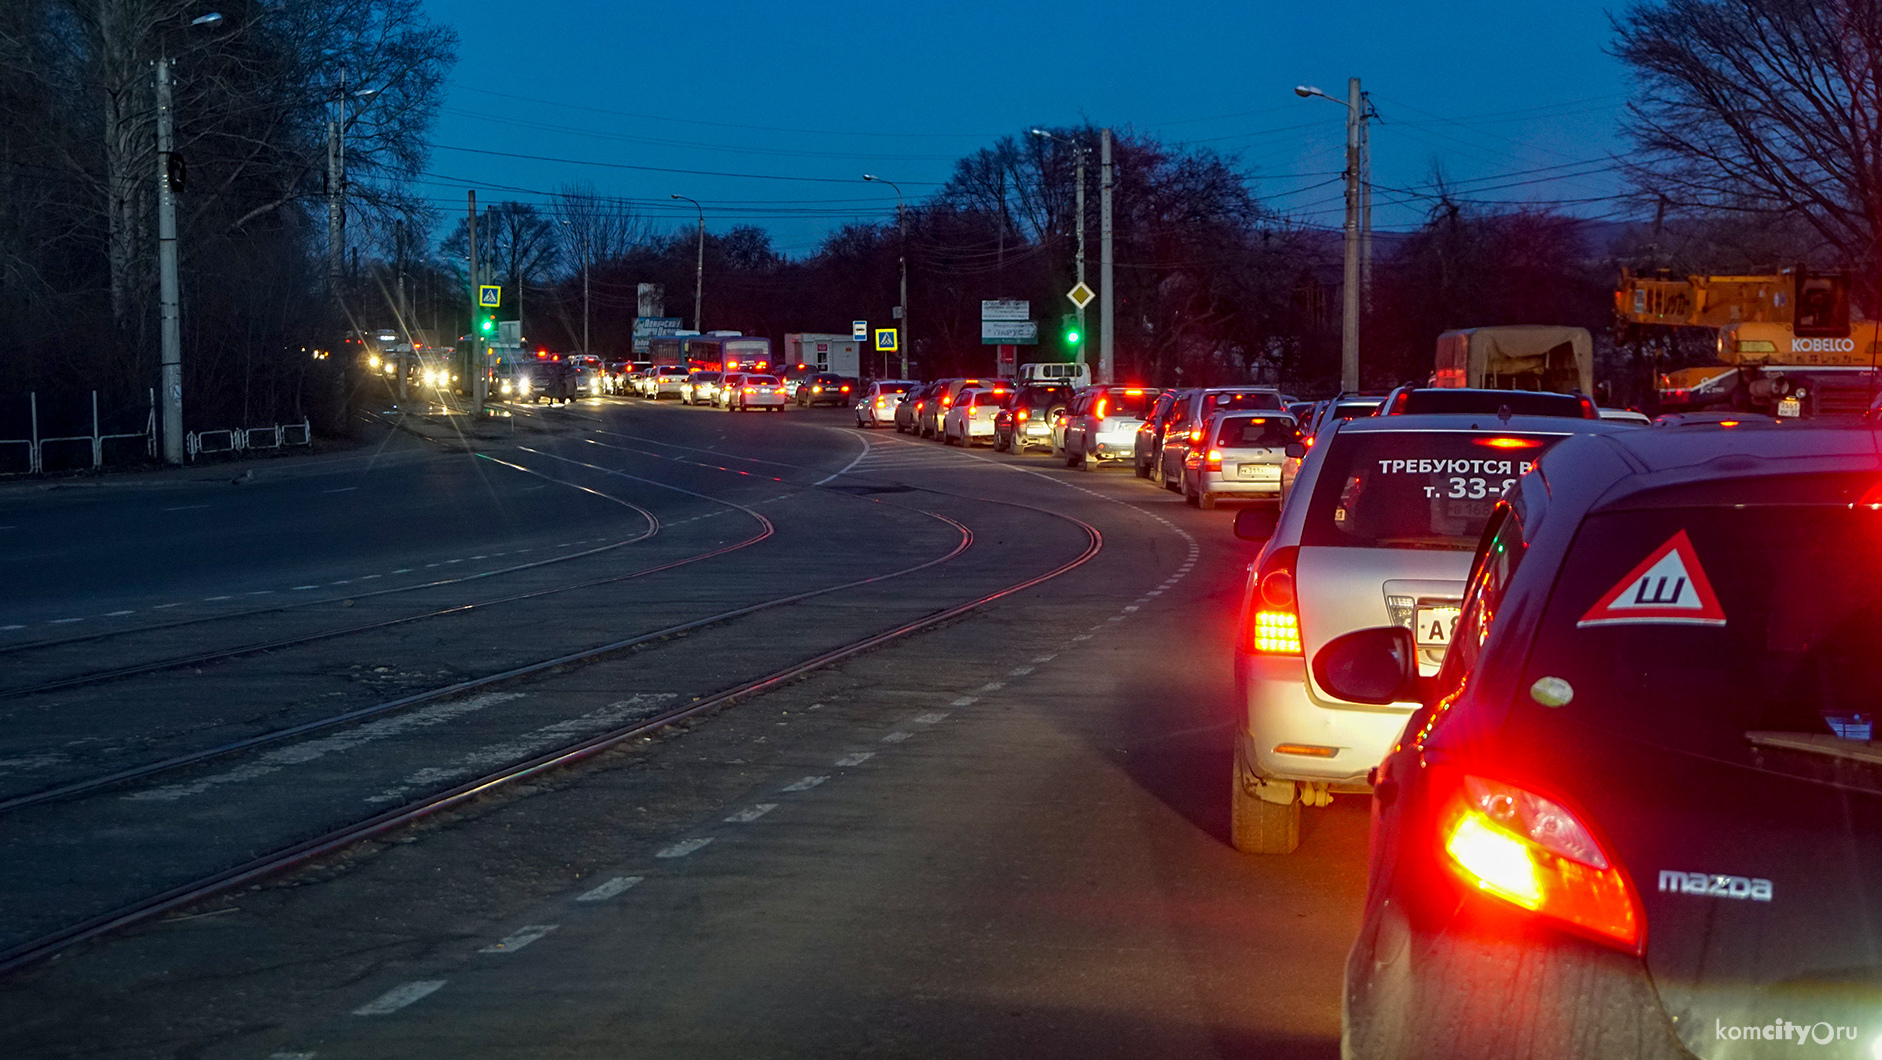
x=933, y=717
x=856, y=759
x=520, y=938
x=684, y=847
x=609, y=889
x=398, y=997
x=804, y=785
x=897, y=737
x=747, y=816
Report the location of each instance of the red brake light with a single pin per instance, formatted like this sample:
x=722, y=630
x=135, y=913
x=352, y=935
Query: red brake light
x=1588, y=411
x=1134, y=393
x=1215, y=460
x=1195, y=435
x=1509, y=443
x=1271, y=625
x=1020, y=415
x=1098, y=410
x=1534, y=853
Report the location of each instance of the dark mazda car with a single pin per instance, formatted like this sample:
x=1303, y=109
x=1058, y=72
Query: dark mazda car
x=1639, y=812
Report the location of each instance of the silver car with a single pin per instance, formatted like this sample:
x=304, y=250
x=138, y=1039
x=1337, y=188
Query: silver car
x=1239, y=456
x=1102, y=424
x=1379, y=530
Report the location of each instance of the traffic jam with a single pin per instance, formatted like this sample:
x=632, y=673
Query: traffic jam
x=1609, y=681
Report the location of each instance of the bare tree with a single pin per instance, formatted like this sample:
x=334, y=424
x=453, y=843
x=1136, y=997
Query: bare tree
x=1767, y=106
x=596, y=228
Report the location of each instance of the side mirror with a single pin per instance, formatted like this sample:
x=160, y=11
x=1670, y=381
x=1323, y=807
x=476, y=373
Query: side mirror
x=1295, y=450
x=1257, y=524
x=1378, y=665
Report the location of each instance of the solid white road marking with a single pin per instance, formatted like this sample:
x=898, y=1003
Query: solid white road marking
x=856, y=759
x=398, y=997
x=804, y=785
x=609, y=889
x=684, y=847
x=522, y=937
x=747, y=816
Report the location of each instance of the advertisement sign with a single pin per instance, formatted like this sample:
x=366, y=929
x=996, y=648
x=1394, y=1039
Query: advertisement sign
x=645, y=328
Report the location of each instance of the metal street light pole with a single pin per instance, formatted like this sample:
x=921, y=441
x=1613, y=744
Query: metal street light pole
x=168, y=297
x=1358, y=201
x=699, y=275
x=901, y=217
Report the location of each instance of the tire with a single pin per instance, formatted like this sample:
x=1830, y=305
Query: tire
x=1139, y=469
x=1205, y=501
x=1073, y=460
x=998, y=445
x=1257, y=826
x=1188, y=497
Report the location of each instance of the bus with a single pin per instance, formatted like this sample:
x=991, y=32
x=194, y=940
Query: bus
x=720, y=352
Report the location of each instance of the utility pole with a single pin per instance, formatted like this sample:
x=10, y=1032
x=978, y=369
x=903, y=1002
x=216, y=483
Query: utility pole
x=1349, y=310
x=1365, y=201
x=1107, y=304
x=171, y=322
x=699, y=270
x=584, y=294
x=1081, y=246
x=474, y=363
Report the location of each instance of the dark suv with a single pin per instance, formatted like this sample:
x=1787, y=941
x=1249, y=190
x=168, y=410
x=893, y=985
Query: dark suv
x=1026, y=420
x=1639, y=812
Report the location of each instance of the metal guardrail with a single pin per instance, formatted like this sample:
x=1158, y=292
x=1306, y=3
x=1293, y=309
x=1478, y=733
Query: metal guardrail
x=243, y=439
x=36, y=445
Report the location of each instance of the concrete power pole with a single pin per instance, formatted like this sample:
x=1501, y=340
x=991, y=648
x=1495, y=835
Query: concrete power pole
x=1107, y=303
x=171, y=323
x=1349, y=310
x=474, y=363
x=1365, y=200
x=1080, y=209
x=336, y=199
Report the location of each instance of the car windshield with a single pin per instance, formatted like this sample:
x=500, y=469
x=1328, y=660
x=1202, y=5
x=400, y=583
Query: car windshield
x=1520, y=402
x=1755, y=632
x=1264, y=400
x=1256, y=432
x=1414, y=489
x=1123, y=403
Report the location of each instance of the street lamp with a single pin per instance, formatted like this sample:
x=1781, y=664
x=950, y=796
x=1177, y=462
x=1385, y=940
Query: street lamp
x=584, y=242
x=1357, y=277
x=170, y=177
x=901, y=220
x=699, y=276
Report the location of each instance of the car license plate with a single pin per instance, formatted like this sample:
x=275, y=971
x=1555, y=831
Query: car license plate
x=1260, y=471
x=1434, y=625
x=1790, y=407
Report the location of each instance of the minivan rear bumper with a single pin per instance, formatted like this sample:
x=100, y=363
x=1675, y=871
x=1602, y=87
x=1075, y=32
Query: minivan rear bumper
x=1281, y=710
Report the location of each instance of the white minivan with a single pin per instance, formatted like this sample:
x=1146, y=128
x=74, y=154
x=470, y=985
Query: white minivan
x=1378, y=530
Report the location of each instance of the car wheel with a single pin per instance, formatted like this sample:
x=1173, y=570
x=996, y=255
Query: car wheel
x=1205, y=501
x=1173, y=485
x=1073, y=459
x=1256, y=825
x=1139, y=468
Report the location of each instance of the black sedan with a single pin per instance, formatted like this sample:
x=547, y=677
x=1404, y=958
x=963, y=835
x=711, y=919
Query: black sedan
x=825, y=388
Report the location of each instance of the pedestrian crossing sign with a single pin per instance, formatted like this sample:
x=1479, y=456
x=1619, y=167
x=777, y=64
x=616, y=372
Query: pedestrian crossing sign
x=489, y=296
x=885, y=340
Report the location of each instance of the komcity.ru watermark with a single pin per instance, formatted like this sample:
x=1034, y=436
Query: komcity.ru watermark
x=1786, y=1031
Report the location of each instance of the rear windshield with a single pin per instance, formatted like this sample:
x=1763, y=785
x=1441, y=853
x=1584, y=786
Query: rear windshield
x=1414, y=489
x=1767, y=641
x=705, y=377
x=1123, y=403
x=760, y=380
x=894, y=388
x=1266, y=401
x=1520, y=402
x=1256, y=432
x=670, y=369
x=991, y=397
x=1352, y=410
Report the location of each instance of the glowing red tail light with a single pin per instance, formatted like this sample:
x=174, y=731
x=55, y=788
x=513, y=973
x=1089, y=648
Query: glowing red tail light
x=1401, y=403
x=1536, y=854
x=1215, y=460
x=1271, y=623
x=1098, y=410
x=1588, y=411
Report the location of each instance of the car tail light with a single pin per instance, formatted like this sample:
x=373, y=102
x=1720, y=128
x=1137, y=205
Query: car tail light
x=1272, y=626
x=1400, y=403
x=1098, y=410
x=1588, y=411
x=846, y=390
x=1020, y=415
x=1534, y=853
x=1195, y=435
x=1215, y=460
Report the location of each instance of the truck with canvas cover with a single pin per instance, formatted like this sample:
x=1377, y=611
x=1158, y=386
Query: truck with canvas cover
x=1517, y=357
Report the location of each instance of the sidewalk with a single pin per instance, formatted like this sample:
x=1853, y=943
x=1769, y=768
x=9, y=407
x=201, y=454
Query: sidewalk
x=452, y=427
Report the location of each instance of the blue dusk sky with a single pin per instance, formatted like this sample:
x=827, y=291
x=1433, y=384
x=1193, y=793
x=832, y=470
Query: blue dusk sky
x=1514, y=101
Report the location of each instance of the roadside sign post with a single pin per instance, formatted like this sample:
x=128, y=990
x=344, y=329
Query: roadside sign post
x=859, y=330
x=1081, y=297
x=490, y=296
x=1007, y=323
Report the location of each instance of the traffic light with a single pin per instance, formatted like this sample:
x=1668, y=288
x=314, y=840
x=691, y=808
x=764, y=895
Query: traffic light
x=486, y=323
x=1068, y=328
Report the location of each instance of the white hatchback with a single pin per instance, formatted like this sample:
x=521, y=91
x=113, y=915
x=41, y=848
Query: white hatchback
x=1379, y=530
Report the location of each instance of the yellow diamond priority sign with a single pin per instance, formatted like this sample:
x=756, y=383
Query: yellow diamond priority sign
x=1081, y=295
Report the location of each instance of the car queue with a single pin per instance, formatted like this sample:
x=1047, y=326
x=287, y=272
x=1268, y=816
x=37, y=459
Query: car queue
x=1609, y=688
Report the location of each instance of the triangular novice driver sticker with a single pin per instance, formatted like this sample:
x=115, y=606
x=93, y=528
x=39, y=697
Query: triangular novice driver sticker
x=1668, y=588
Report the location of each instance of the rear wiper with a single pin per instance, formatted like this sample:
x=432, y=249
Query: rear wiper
x=1867, y=752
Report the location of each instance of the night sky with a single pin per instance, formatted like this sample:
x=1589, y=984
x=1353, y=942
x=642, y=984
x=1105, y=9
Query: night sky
x=1516, y=101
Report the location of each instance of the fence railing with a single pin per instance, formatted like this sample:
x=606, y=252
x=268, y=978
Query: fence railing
x=36, y=444
x=196, y=443
x=243, y=439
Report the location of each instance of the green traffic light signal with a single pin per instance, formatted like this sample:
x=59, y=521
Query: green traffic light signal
x=488, y=325
x=1069, y=328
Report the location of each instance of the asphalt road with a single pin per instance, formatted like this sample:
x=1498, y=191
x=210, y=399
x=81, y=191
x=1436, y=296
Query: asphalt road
x=1002, y=836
